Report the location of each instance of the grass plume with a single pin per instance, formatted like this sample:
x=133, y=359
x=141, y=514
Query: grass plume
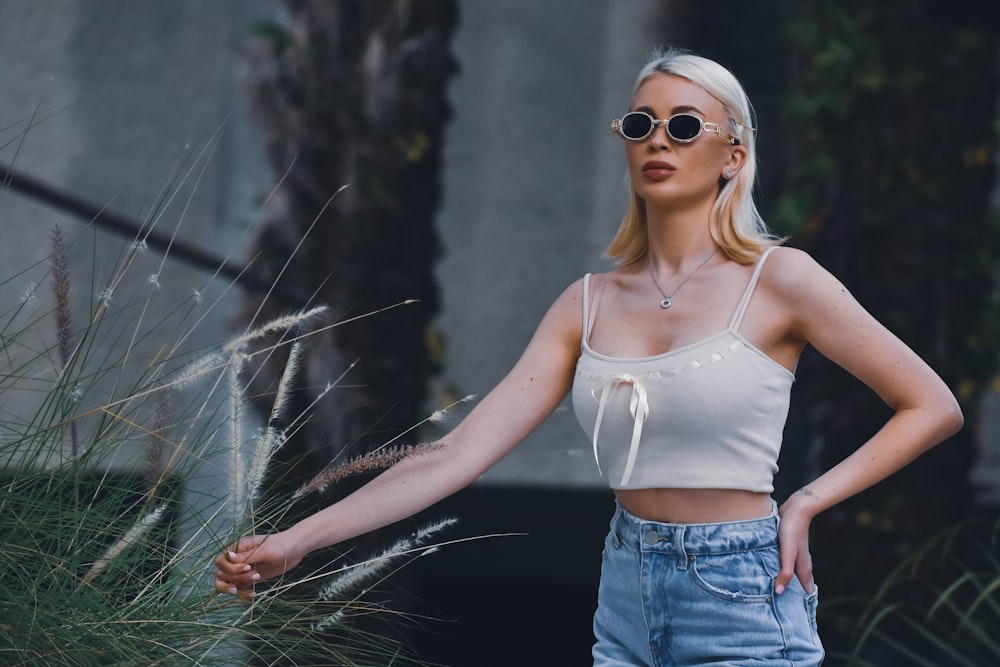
x=154, y=467
x=129, y=539
x=106, y=552
x=64, y=322
x=361, y=575
x=60, y=289
x=277, y=325
x=366, y=463
x=272, y=437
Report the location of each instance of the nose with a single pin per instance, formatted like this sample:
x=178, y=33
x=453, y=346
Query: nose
x=659, y=139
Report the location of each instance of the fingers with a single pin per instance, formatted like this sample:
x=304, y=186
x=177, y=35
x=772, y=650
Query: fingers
x=235, y=575
x=788, y=555
x=245, y=591
x=804, y=571
x=782, y=580
x=231, y=564
x=794, y=563
x=793, y=543
x=245, y=547
x=241, y=585
x=223, y=586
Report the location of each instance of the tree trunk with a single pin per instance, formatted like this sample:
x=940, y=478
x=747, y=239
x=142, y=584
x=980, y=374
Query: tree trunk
x=353, y=93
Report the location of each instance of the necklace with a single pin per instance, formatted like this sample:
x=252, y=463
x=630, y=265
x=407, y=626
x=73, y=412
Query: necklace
x=667, y=301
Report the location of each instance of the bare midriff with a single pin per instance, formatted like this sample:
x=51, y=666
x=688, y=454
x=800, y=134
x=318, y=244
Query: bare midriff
x=694, y=505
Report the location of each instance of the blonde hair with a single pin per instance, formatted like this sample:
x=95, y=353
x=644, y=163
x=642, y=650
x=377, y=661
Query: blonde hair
x=734, y=222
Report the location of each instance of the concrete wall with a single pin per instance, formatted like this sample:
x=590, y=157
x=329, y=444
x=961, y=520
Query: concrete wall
x=137, y=107
x=534, y=192
x=113, y=99
x=534, y=189
x=120, y=101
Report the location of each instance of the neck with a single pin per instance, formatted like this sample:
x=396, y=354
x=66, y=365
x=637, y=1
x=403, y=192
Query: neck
x=678, y=238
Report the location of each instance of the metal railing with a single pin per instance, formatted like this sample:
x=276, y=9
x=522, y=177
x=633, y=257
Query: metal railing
x=116, y=223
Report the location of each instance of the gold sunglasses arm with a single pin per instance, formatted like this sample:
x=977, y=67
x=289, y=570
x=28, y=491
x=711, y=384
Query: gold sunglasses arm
x=722, y=132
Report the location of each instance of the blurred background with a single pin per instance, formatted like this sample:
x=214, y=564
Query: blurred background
x=481, y=180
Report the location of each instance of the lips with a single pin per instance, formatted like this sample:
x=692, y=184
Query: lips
x=657, y=169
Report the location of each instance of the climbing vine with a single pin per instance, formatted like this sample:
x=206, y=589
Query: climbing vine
x=892, y=127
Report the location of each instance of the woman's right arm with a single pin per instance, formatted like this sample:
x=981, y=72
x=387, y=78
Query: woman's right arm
x=524, y=399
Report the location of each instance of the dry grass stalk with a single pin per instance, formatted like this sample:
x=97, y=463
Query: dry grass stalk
x=234, y=398
x=133, y=535
x=60, y=289
x=155, y=467
x=371, y=462
x=355, y=576
x=64, y=323
x=382, y=458
x=271, y=440
x=284, y=323
x=288, y=376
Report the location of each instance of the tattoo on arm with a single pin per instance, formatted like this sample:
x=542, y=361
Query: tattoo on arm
x=806, y=491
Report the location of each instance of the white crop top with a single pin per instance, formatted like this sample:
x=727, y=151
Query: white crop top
x=708, y=415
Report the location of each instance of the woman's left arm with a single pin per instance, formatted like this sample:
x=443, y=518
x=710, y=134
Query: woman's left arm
x=822, y=313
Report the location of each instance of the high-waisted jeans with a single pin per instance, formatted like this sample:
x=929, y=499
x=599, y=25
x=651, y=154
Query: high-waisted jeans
x=674, y=595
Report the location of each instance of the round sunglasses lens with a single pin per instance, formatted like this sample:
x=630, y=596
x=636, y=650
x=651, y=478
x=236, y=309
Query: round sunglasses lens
x=684, y=127
x=636, y=125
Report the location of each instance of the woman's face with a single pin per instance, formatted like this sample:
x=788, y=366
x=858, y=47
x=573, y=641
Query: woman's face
x=666, y=171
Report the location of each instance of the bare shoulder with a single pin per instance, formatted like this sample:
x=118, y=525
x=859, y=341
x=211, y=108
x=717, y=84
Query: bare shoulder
x=793, y=277
x=564, y=319
x=793, y=273
x=804, y=295
x=572, y=296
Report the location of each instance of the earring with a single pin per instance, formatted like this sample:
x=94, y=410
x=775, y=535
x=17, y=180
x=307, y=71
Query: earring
x=729, y=173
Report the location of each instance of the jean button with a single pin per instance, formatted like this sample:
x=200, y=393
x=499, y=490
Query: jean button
x=651, y=537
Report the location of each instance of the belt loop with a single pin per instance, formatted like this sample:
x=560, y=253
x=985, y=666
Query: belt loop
x=682, y=559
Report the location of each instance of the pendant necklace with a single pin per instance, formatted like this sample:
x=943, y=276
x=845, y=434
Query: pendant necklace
x=667, y=301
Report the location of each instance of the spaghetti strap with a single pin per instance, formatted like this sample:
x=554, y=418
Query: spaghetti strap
x=741, y=309
x=590, y=308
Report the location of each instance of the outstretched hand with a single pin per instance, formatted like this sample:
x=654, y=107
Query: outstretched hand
x=793, y=543
x=253, y=559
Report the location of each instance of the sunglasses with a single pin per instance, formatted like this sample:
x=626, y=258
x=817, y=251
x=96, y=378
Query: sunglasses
x=682, y=127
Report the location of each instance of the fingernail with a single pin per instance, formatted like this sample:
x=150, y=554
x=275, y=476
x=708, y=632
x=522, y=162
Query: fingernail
x=255, y=576
x=231, y=591
x=247, y=568
x=231, y=554
x=779, y=589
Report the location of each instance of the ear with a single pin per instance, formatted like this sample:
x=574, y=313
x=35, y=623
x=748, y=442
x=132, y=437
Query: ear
x=737, y=158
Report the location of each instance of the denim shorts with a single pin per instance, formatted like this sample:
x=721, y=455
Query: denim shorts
x=700, y=594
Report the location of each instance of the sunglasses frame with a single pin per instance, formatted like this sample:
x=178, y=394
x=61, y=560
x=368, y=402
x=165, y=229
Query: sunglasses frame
x=715, y=128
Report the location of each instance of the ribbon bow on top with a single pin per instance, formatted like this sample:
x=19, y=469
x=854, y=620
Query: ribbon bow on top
x=638, y=406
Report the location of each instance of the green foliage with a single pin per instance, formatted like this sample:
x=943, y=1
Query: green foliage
x=891, y=143
x=939, y=608
x=125, y=474
x=893, y=174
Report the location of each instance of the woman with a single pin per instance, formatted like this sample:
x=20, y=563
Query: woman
x=680, y=362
